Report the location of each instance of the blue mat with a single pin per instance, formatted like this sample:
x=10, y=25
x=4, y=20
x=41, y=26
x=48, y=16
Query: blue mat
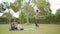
x=23, y=29
x=28, y=28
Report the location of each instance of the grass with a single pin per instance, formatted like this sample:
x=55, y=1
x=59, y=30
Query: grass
x=43, y=29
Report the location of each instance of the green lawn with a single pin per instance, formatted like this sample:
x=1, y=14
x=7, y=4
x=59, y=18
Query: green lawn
x=43, y=29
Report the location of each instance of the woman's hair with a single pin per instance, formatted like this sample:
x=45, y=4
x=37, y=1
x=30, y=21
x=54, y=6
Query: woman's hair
x=12, y=20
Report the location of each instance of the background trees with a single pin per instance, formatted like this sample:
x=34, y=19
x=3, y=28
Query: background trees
x=27, y=12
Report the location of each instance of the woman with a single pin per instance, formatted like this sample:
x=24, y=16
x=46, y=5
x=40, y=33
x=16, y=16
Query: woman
x=12, y=24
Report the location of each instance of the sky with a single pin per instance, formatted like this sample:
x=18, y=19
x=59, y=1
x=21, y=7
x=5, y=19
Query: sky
x=54, y=5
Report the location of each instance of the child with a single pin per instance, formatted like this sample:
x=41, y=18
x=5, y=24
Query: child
x=19, y=26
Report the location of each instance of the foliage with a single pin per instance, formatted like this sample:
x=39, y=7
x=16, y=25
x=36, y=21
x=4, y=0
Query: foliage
x=27, y=13
x=58, y=15
x=16, y=5
x=3, y=20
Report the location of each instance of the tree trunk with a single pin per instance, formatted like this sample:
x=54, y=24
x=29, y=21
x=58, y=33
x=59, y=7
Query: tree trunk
x=27, y=18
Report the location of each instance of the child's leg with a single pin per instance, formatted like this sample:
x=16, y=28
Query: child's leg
x=22, y=29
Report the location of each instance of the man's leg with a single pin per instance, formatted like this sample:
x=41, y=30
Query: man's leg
x=36, y=23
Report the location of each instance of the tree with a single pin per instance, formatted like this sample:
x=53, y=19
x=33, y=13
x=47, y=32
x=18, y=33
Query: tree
x=16, y=5
x=26, y=7
x=58, y=15
x=28, y=10
x=3, y=7
x=43, y=6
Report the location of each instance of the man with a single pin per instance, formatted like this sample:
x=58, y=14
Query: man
x=37, y=19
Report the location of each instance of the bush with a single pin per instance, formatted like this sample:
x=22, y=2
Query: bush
x=3, y=20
